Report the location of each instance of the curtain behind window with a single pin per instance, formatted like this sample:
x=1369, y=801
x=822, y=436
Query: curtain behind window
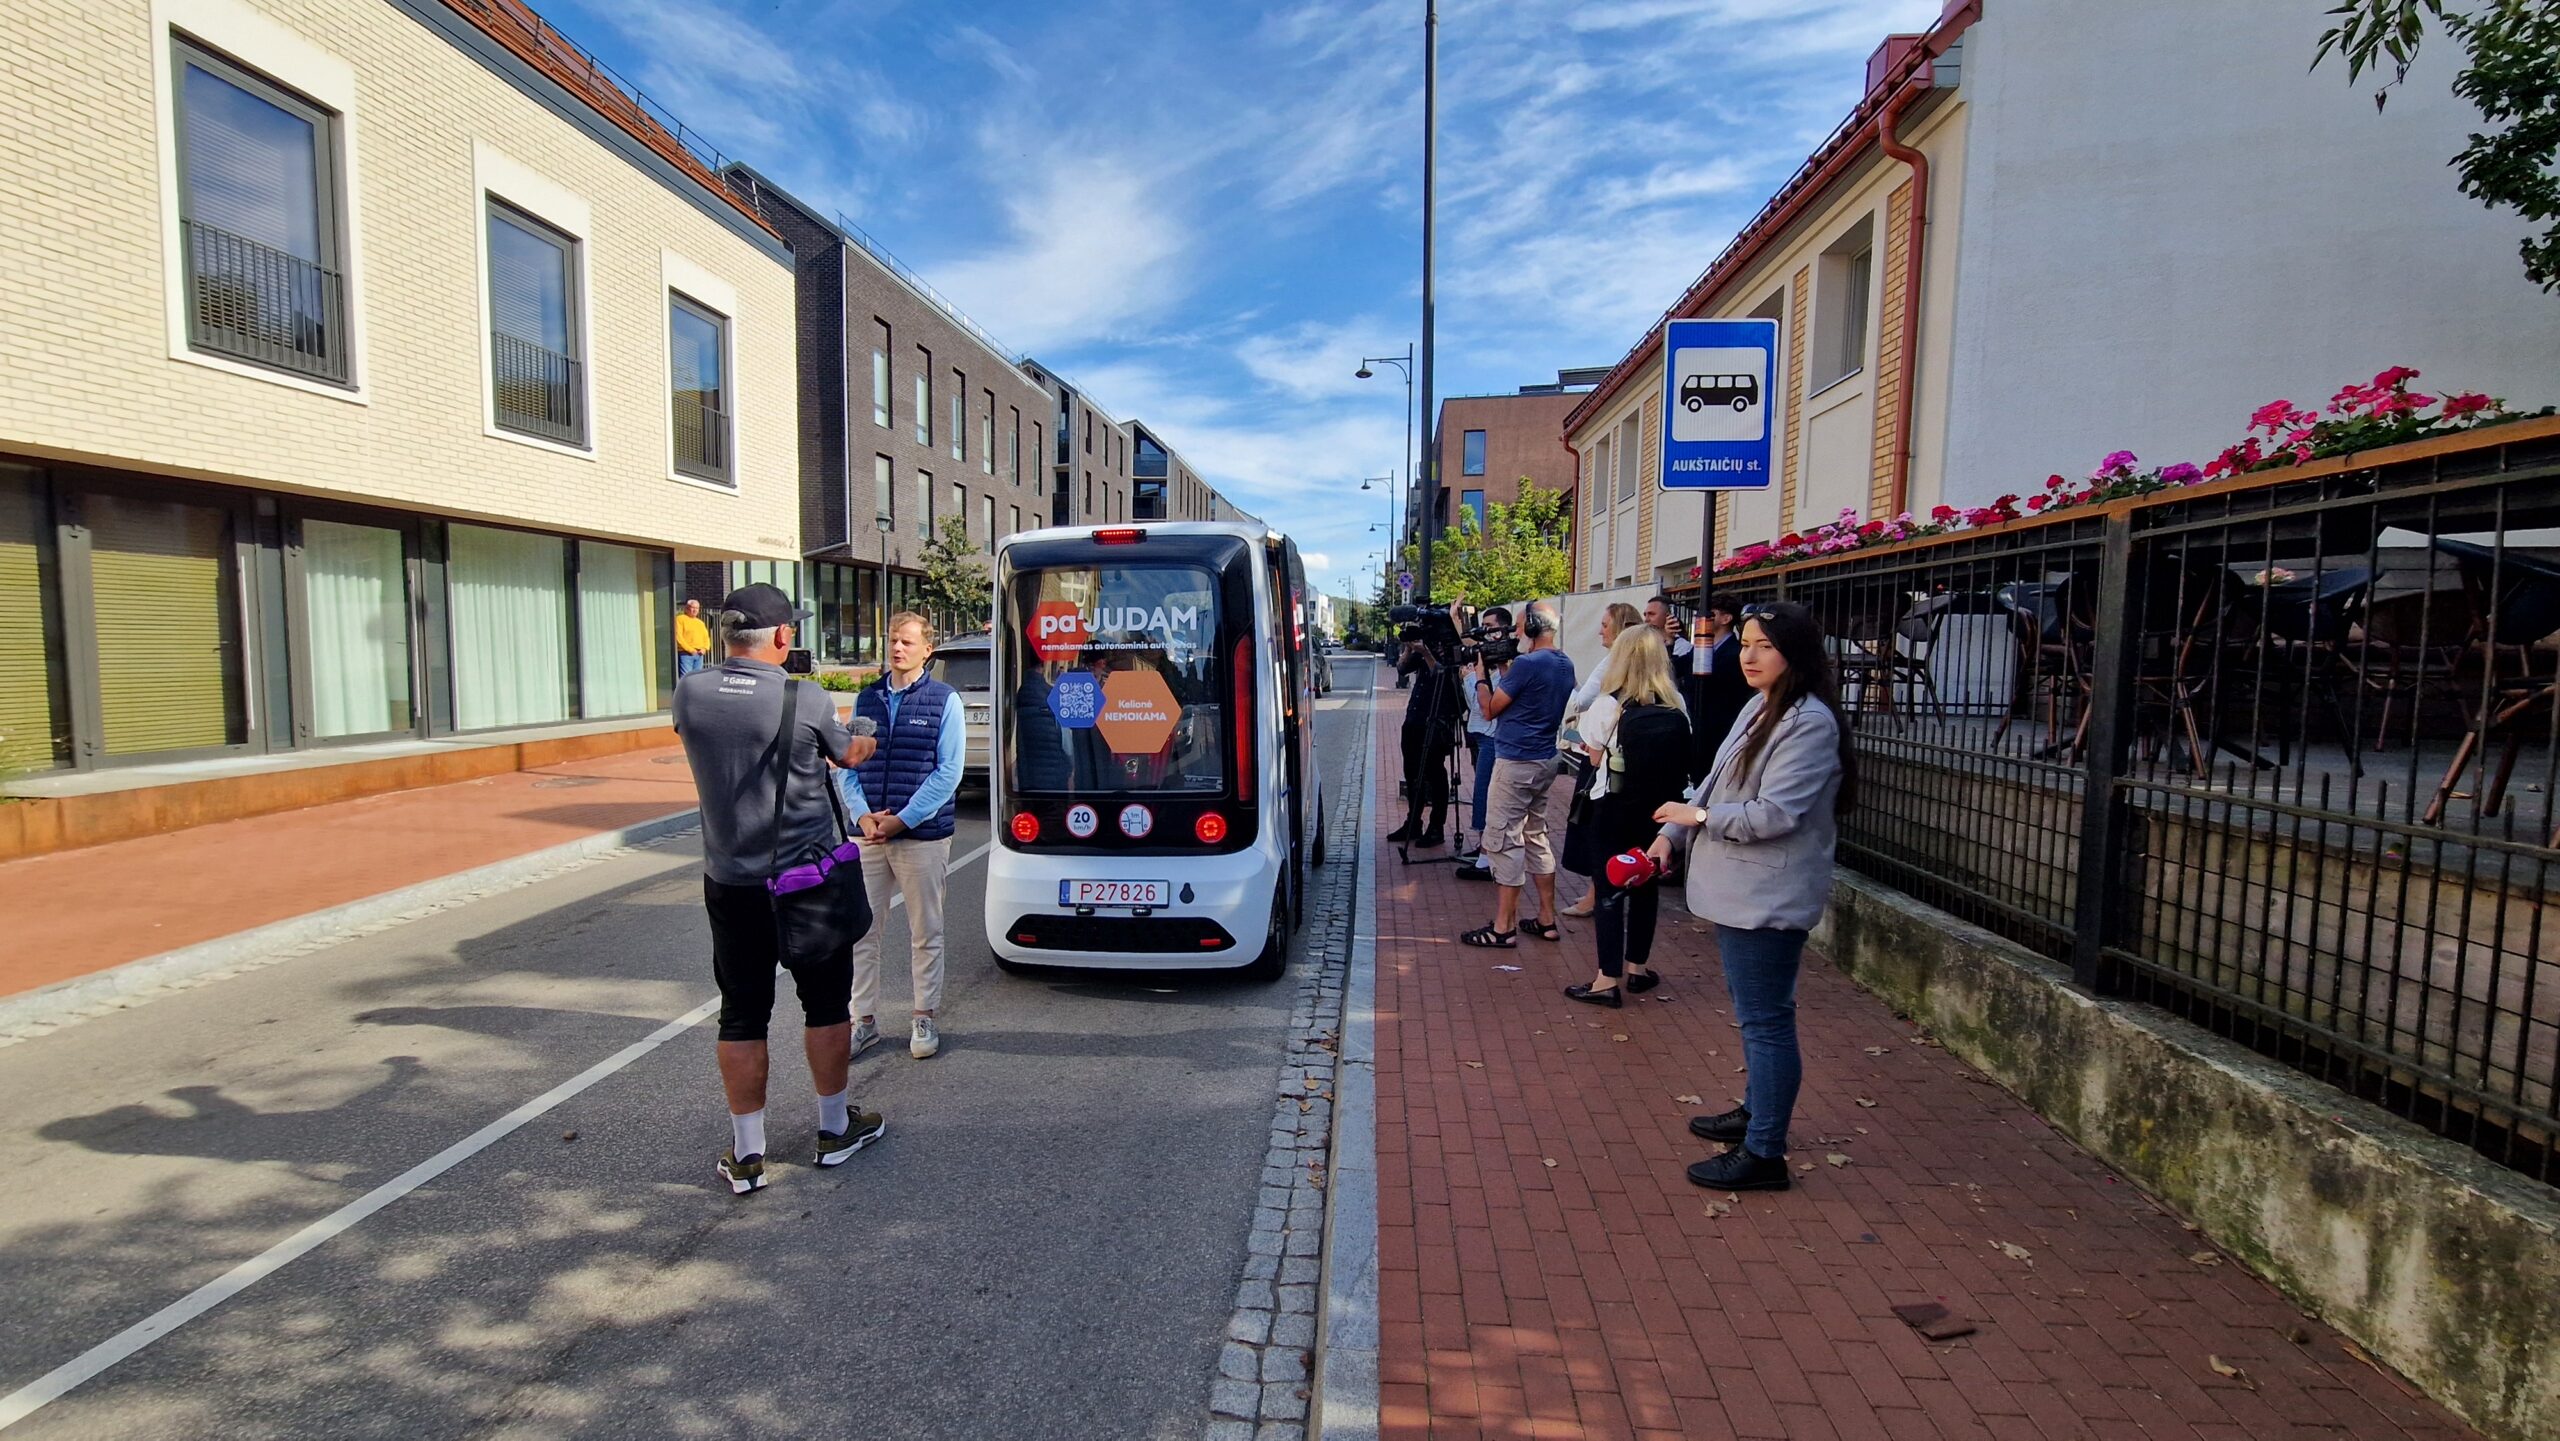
x=617, y=631
x=356, y=586
x=34, y=726
x=251, y=166
x=510, y=619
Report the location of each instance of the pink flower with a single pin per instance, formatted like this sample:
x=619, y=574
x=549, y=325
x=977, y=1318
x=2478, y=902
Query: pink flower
x=1944, y=515
x=2394, y=378
x=2470, y=402
x=2181, y=474
x=2274, y=414
x=2038, y=502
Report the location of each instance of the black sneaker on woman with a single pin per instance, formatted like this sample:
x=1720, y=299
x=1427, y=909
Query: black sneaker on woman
x=1740, y=1170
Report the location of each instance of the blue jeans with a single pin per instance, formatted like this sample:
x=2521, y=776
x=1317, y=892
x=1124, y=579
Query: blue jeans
x=1760, y=973
x=1484, y=775
x=687, y=664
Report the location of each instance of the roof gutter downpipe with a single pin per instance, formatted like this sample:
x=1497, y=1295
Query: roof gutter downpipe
x=1914, y=267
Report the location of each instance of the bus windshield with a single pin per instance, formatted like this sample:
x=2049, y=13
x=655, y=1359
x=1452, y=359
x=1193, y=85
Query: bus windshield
x=1116, y=686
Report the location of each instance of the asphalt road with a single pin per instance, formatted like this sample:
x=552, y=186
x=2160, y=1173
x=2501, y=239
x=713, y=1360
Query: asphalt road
x=1046, y=1243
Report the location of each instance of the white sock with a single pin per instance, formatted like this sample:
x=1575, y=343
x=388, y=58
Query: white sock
x=746, y=1135
x=833, y=1114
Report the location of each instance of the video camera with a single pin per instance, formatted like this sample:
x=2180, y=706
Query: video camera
x=1450, y=646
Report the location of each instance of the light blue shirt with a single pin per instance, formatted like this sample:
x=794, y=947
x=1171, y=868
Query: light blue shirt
x=951, y=748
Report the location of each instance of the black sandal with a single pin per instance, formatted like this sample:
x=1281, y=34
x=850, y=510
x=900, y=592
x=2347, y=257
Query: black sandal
x=1543, y=930
x=1487, y=938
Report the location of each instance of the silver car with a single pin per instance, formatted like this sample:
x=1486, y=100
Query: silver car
x=967, y=665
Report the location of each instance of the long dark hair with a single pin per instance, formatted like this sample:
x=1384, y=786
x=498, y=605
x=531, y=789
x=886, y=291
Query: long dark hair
x=1799, y=639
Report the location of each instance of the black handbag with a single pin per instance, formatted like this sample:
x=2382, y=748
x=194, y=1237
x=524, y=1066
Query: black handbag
x=820, y=907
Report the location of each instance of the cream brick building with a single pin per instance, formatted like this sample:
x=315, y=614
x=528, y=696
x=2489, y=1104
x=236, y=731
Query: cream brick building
x=366, y=372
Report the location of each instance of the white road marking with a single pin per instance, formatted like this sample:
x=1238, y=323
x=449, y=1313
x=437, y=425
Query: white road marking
x=18, y=1405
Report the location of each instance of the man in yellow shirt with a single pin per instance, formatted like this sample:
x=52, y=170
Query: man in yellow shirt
x=693, y=639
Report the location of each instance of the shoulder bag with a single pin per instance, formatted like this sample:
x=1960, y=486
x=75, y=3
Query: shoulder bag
x=819, y=905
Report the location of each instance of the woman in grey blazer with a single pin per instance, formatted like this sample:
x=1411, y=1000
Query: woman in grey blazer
x=1760, y=830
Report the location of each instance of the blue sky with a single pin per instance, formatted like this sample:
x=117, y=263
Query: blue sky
x=1206, y=213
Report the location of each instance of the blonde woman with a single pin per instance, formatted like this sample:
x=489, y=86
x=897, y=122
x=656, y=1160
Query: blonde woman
x=1637, y=737
x=1615, y=622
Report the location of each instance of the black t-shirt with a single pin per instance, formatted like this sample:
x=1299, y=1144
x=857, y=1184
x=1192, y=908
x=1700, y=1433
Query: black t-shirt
x=727, y=716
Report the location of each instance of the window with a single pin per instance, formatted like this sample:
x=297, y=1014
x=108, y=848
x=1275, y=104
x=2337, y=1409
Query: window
x=1088, y=434
x=883, y=496
x=1088, y=492
x=880, y=379
x=987, y=520
x=1625, y=452
x=1038, y=486
x=534, y=382
x=258, y=221
x=1475, y=452
x=1473, y=500
x=698, y=370
x=924, y=397
x=1841, y=289
x=960, y=508
x=924, y=504
x=1013, y=462
x=987, y=434
x=507, y=598
x=621, y=609
x=959, y=416
x=1013, y=519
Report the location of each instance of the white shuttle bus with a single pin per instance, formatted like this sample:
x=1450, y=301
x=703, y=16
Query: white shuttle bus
x=1154, y=769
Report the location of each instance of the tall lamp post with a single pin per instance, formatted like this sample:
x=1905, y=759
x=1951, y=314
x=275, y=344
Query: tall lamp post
x=1402, y=363
x=880, y=637
x=1389, y=482
x=1430, y=205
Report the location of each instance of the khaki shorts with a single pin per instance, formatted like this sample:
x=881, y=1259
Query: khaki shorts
x=1524, y=819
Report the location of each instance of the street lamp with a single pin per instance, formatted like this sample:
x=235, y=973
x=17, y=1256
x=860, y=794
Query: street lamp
x=1403, y=363
x=1389, y=482
x=880, y=637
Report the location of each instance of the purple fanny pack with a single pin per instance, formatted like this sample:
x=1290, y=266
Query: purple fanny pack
x=803, y=877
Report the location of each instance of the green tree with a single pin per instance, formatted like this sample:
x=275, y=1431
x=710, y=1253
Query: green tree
x=956, y=586
x=2512, y=79
x=1518, y=553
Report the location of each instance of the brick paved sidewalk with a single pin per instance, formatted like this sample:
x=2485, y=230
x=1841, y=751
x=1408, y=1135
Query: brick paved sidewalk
x=75, y=913
x=1547, y=1270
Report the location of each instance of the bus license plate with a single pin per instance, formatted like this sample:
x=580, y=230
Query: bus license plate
x=1151, y=894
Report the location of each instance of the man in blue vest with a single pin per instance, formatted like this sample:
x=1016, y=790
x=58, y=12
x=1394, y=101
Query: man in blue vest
x=906, y=796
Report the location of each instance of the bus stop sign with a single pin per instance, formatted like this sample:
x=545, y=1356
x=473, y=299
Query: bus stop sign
x=1721, y=404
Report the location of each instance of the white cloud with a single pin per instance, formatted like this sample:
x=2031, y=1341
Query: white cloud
x=1094, y=248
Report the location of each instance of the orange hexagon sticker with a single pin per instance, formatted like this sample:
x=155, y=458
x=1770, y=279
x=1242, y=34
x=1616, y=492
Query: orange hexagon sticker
x=1138, y=712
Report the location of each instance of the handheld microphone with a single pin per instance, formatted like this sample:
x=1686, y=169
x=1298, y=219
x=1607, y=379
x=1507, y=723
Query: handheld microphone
x=863, y=725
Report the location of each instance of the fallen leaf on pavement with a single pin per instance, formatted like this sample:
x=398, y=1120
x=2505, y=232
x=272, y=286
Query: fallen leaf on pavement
x=2014, y=1253
x=1835, y=1158
x=1689, y=1100
x=2230, y=1372
x=1879, y=1050
x=2300, y=1335
x=1621, y=1036
x=1472, y=1065
x=1719, y=1209
x=1506, y=968
x=1807, y=1166
x=1549, y=1162
x=2206, y=1258
x=568, y=1135
x=1863, y=1101
x=1314, y=1085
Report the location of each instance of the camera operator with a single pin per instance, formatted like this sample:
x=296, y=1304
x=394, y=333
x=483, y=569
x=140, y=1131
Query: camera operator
x=1527, y=709
x=1431, y=719
x=1495, y=626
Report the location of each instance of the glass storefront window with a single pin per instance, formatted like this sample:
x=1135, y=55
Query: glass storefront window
x=170, y=663
x=618, y=607
x=509, y=602
x=356, y=590
x=35, y=724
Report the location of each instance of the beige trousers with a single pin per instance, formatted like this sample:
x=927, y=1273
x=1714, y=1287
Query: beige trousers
x=917, y=870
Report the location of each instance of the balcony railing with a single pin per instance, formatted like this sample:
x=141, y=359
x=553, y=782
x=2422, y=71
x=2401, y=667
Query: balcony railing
x=256, y=303
x=536, y=390
x=702, y=438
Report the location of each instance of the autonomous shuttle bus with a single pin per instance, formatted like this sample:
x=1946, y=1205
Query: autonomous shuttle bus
x=1154, y=771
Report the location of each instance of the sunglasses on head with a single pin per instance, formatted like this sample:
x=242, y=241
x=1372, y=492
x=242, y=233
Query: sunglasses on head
x=1758, y=612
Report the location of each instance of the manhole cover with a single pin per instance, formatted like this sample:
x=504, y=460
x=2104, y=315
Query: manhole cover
x=554, y=783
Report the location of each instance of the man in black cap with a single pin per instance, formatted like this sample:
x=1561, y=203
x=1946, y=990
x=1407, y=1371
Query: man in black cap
x=728, y=716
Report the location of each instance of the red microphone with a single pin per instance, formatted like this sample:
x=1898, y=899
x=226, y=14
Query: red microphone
x=1631, y=869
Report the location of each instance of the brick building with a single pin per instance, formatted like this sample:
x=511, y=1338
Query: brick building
x=1489, y=444
x=370, y=370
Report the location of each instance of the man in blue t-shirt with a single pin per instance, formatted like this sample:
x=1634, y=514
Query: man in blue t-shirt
x=1522, y=824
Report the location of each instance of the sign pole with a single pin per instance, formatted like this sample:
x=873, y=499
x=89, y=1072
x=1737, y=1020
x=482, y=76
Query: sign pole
x=1707, y=554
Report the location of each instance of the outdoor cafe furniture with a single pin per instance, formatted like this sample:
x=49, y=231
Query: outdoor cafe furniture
x=2516, y=606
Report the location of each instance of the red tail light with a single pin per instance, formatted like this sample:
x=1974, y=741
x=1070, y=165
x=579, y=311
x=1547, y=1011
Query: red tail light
x=1026, y=827
x=1119, y=536
x=1211, y=828
x=1244, y=720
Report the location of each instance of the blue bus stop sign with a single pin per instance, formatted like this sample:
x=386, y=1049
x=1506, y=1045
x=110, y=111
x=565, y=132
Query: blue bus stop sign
x=1076, y=700
x=1722, y=402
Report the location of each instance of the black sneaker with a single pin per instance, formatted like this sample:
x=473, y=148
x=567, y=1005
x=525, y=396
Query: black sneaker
x=1474, y=873
x=1728, y=1128
x=1740, y=1170
x=1430, y=841
x=743, y=1173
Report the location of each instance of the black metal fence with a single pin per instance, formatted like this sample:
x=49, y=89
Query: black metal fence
x=2279, y=758
x=535, y=390
x=256, y=303
x=701, y=437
